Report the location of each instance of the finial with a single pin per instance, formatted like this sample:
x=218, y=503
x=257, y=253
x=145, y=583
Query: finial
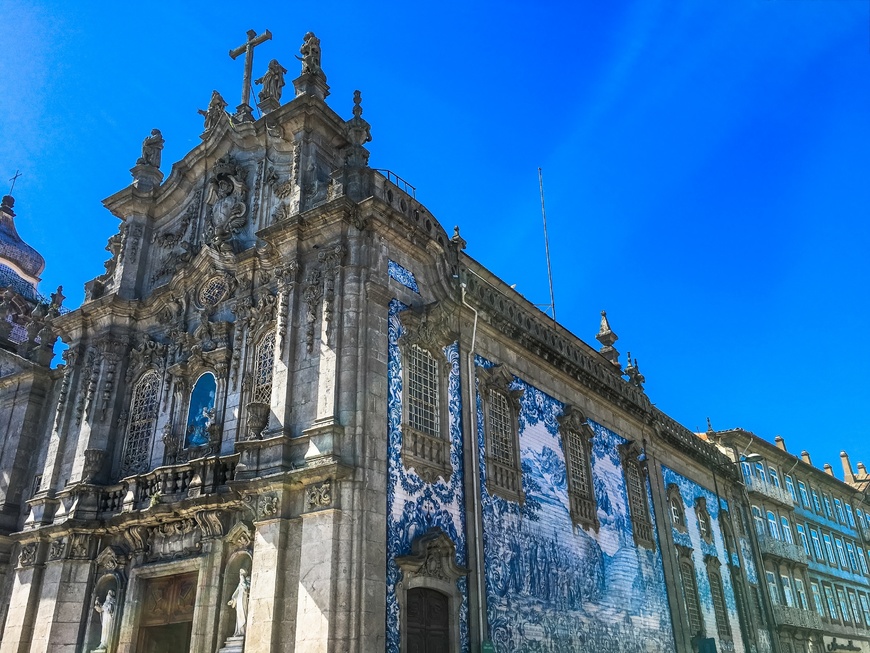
x=357, y=104
x=607, y=338
x=458, y=240
x=7, y=204
x=632, y=371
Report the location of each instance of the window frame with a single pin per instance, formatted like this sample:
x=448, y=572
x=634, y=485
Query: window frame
x=642, y=529
x=789, y=485
x=503, y=478
x=146, y=425
x=677, y=508
x=583, y=506
x=703, y=517
x=804, y=494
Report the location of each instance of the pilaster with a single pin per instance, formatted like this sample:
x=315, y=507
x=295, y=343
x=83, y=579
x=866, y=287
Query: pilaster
x=23, y=602
x=317, y=582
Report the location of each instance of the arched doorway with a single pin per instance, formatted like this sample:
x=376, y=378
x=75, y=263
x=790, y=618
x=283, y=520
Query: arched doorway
x=428, y=621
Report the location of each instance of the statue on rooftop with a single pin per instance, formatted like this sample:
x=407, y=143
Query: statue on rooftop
x=215, y=112
x=272, y=81
x=310, y=51
x=152, y=147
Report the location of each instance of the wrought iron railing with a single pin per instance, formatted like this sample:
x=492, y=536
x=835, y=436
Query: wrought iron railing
x=397, y=181
x=786, y=615
x=781, y=549
x=772, y=492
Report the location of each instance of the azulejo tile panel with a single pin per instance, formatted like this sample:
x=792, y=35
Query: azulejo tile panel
x=551, y=587
x=413, y=505
x=690, y=492
x=402, y=275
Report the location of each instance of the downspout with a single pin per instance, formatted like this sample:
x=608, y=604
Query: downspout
x=475, y=470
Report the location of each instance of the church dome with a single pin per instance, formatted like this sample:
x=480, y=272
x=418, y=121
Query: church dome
x=14, y=252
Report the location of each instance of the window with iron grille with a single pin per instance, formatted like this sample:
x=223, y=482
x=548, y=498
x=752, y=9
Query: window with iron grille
x=577, y=442
x=504, y=475
x=690, y=594
x=635, y=484
x=143, y=418
x=422, y=390
x=264, y=360
x=723, y=627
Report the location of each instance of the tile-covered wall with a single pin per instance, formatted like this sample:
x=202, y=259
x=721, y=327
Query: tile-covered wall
x=551, y=587
x=690, y=492
x=413, y=505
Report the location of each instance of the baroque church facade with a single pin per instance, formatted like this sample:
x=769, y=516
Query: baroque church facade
x=295, y=415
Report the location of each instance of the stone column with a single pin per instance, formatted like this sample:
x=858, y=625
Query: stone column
x=208, y=597
x=317, y=582
x=23, y=602
x=64, y=602
x=269, y=576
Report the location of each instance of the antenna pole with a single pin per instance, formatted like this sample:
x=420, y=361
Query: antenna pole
x=547, y=244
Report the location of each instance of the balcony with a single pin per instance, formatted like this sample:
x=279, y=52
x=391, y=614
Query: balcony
x=779, y=549
x=797, y=617
x=769, y=491
x=168, y=484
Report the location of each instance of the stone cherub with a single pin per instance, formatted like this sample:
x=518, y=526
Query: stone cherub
x=310, y=52
x=239, y=602
x=152, y=147
x=272, y=81
x=215, y=112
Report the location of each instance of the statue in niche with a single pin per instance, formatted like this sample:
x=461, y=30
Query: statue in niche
x=239, y=602
x=310, y=51
x=106, y=609
x=272, y=81
x=215, y=112
x=152, y=147
x=227, y=214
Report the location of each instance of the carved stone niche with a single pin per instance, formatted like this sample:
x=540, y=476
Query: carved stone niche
x=425, y=425
x=431, y=565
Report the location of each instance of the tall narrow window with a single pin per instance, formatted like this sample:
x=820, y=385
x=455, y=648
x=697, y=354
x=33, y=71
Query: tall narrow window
x=829, y=599
x=800, y=594
x=577, y=442
x=865, y=607
x=690, y=594
x=786, y=530
x=829, y=547
x=678, y=514
x=772, y=587
x=774, y=477
x=789, y=485
x=423, y=392
x=771, y=525
x=425, y=438
x=723, y=626
x=850, y=515
x=805, y=499
x=635, y=485
x=786, y=590
x=501, y=404
x=817, y=599
x=817, y=544
x=844, y=606
x=802, y=535
x=703, y=517
x=143, y=419
x=264, y=360
x=759, y=520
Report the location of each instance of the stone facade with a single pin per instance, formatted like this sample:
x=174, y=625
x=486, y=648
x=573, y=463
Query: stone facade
x=294, y=415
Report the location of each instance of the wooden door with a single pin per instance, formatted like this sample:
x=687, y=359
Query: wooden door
x=428, y=621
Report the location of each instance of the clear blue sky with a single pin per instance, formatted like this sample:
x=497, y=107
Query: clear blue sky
x=705, y=162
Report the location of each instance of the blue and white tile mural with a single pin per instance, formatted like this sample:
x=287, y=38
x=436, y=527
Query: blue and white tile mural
x=403, y=275
x=690, y=493
x=551, y=587
x=413, y=505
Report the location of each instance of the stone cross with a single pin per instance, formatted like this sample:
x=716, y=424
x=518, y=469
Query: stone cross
x=244, y=109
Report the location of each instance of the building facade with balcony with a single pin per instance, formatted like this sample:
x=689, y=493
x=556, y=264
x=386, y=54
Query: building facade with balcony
x=812, y=533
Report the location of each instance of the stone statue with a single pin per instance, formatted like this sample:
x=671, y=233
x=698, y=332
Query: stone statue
x=310, y=51
x=239, y=601
x=215, y=112
x=272, y=81
x=152, y=147
x=107, y=618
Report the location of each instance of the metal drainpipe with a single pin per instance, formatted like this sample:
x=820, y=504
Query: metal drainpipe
x=475, y=471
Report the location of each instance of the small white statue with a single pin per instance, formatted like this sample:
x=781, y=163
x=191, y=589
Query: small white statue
x=107, y=618
x=239, y=601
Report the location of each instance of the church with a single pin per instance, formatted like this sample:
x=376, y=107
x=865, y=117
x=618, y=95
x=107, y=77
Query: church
x=295, y=415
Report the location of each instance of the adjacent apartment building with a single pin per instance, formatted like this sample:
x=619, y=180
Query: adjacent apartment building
x=813, y=533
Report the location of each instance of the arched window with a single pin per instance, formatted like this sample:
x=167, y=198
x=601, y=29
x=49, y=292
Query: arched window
x=723, y=627
x=264, y=360
x=143, y=419
x=771, y=525
x=675, y=503
x=635, y=485
x=690, y=594
x=759, y=520
x=703, y=516
x=786, y=530
x=201, y=415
